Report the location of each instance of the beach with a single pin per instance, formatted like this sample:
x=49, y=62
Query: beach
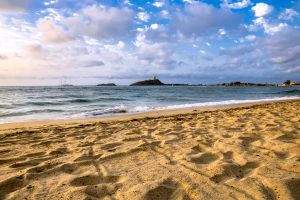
x=244, y=151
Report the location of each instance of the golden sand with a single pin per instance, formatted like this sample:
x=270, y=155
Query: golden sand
x=240, y=152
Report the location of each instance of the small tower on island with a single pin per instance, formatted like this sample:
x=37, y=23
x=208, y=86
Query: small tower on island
x=154, y=78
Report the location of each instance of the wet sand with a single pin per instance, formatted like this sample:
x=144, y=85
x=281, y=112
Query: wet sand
x=235, y=152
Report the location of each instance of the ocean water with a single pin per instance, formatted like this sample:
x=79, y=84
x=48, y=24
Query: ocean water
x=43, y=103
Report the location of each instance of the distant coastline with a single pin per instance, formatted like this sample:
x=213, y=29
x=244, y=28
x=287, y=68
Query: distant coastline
x=156, y=82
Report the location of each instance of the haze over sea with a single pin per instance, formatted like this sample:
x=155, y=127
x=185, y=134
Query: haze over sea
x=19, y=104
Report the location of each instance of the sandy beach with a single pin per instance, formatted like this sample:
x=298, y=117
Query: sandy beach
x=249, y=151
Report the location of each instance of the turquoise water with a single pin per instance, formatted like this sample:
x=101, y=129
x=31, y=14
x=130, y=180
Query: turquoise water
x=43, y=103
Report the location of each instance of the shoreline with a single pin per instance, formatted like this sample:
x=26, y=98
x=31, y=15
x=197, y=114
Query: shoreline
x=140, y=115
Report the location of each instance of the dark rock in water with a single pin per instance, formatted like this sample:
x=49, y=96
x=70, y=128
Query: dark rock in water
x=148, y=82
x=107, y=84
x=238, y=83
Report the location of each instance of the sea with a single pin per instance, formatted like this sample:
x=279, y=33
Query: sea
x=20, y=104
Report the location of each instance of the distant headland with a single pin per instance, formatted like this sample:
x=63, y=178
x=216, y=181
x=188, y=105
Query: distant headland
x=153, y=81
x=107, y=84
x=156, y=82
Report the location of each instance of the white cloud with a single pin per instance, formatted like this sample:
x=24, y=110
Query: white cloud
x=143, y=16
x=236, y=50
x=51, y=32
x=8, y=6
x=154, y=26
x=2, y=20
x=165, y=14
x=153, y=47
x=121, y=45
x=91, y=41
x=222, y=31
x=269, y=28
x=127, y=2
x=236, y=5
x=47, y=3
x=288, y=14
x=91, y=63
x=261, y=9
x=284, y=49
x=158, y=4
x=250, y=37
x=247, y=38
x=190, y=1
x=193, y=20
x=100, y=22
x=52, y=14
x=158, y=55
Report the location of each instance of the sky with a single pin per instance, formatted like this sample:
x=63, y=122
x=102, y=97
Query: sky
x=47, y=42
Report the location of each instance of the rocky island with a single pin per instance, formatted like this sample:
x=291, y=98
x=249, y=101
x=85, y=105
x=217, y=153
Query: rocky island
x=156, y=82
x=107, y=84
x=153, y=81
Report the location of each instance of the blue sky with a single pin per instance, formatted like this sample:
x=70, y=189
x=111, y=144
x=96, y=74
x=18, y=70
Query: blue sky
x=183, y=41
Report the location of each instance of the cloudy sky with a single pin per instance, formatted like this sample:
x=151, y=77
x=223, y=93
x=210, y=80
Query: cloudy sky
x=45, y=42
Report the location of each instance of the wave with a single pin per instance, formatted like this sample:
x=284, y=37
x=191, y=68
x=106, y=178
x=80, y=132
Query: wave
x=289, y=92
x=223, y=103
x=45, y=103
x=206, y=104
x=121, y=109
x=24, y=113
x=97, y=100
x=139, y=109
x=80, y=101
x=106, y=111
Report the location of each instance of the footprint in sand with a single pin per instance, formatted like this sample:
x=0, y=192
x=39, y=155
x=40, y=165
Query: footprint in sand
x=293, y=186
x=99, y=192
x=59, y=152
x=11, y=160
x=196, y=149
x=86, y=144
x=166, y=190
x=37, y=154
x=93, y=180
x=49, y=170
x=42, y=168
x=281, y=155
x=228, y=155
x=29, y=163
x=287, y=137
x=12, y=184
x=131, y=139
x=246, y=141
x=230, y=171
x=87, y=157
x=198, y=155
x=204, y=158
x=160, y=193
x=111, y=146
